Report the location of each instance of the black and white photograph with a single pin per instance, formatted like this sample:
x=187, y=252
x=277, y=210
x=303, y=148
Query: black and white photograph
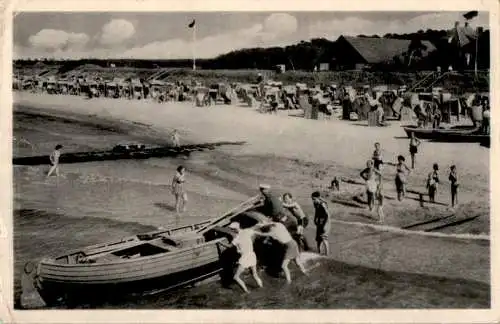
x=257, y=160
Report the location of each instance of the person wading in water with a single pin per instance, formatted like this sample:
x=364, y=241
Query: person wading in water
x=432, y=182
x=54, y=160
x=414, y=144
x=178, y=189
x=176, y=142
x=377, y=156
x=453, y=177
x=372, y=177
x=402, y=171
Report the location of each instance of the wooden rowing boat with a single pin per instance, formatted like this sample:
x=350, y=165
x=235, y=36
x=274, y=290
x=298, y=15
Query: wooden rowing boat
x=455, y=133
x=162, y=259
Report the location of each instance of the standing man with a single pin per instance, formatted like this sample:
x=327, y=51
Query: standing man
x=54, y=160
x=272, y=206
x=322, y=221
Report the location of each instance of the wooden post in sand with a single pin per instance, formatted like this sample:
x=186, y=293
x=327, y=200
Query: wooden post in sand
x=421, y=199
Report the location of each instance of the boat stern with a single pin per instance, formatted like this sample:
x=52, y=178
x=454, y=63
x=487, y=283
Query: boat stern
x=30, y=295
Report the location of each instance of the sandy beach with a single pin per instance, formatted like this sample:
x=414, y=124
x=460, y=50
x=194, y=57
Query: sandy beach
x=290, y=153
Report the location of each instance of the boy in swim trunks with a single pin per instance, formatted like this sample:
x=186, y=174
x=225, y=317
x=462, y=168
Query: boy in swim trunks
x=377, y=156
x=414, y=143
x=322, y=222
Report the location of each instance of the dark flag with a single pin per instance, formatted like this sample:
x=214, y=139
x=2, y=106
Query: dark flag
x=470, y=14
x=191, y=25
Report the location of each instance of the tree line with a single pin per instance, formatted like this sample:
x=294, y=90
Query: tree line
x=306, y=55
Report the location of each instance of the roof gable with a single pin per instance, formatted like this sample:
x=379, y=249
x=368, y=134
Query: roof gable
x=378, y=50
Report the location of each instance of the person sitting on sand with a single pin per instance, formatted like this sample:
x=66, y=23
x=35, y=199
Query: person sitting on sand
x=414, y=144
x=279, y=232
x=432, y=182
x=377, y=156
x=272, y=206
x=322, y=220
x=372, y=177
x=243, y=241
x=54, y=160
x=453, y=177
x=178, y=189
x=302, y=221
x=402, y=171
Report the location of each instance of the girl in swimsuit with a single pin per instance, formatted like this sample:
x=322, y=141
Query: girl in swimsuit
x=453, y=177
x=432, y=182
x=401, y=169
x=178, y=189
x=414, y=143
x=54, y=161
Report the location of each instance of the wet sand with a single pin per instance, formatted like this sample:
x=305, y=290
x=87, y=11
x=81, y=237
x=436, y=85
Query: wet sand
x=126, y=197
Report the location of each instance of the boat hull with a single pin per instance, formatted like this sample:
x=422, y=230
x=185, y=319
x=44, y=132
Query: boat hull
x=96, y=283
x=456, y=134
x=56, y=293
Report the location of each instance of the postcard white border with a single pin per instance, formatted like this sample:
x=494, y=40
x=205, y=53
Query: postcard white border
x=9, y=315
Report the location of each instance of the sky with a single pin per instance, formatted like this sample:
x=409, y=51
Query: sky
x=165, y=35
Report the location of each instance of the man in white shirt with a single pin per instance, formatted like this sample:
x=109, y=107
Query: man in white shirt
x=243, y=241
x=279, y=232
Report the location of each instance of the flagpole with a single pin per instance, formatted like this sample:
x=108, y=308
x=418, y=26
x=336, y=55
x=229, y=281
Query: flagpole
x=194, y=47
x=475, y=56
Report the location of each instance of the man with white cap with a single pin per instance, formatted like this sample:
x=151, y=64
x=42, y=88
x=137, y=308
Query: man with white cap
x=272, y=206
x=243, y=241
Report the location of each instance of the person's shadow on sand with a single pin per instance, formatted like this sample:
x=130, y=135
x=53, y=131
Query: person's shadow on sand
x=165, y=206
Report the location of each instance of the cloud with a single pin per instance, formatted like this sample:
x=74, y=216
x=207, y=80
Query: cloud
x=355, y=26
x=116, y=32
x=206, y=47
x=280, y=23
x=53, y=39
x=268, y=33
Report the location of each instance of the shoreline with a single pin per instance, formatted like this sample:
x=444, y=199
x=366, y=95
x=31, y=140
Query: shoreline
x=366, y=248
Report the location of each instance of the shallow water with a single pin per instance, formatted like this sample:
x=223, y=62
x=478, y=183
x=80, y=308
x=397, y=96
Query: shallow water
x=98, y=201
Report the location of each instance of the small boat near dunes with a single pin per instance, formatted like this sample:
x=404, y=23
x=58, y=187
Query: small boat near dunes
x=452, y=134
x=154, y=261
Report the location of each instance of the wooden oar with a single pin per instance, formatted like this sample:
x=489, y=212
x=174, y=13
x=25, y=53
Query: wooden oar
x=238, y=209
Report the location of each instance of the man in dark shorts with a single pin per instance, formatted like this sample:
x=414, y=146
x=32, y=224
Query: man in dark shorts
x=272, y=206
x=322, y=221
